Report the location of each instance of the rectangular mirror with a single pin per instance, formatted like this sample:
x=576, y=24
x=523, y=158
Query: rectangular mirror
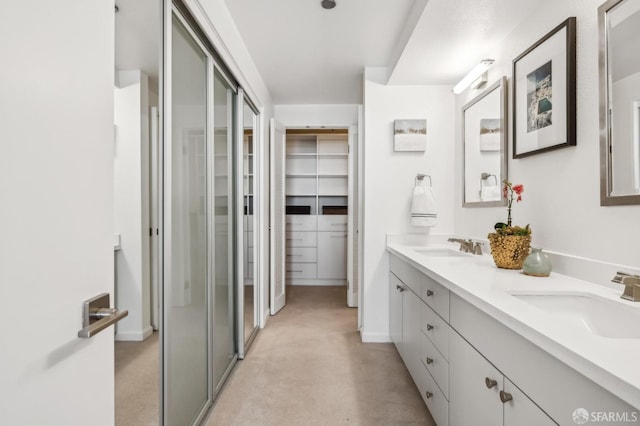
x=619, y=26
x=484, y=139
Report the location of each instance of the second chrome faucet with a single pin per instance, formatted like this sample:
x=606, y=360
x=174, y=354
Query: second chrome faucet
x=468, y=246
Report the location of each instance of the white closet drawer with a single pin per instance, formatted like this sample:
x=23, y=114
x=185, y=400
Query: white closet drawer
x=332, y=222
x=436, y=329
x=300, y=239
x=301, y=254
x=300, y=222
x=435, y=364
x=300, y=270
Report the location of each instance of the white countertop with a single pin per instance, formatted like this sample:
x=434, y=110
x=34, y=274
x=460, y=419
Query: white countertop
x=610, y=362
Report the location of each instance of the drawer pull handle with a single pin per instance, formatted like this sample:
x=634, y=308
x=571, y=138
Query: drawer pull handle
x=428, y=394
x=338, y=224
x=339, y=236
x=293, y=239
x=400, y=288
x=294, y=271
x=294, y=255
x=429, y=360
x=505, y=397
x=490, y=382
x=429, y=327
x=429, y=293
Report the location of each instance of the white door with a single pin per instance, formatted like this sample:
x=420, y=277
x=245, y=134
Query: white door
x=278, y=146
x=352, y=227
x=56, y=210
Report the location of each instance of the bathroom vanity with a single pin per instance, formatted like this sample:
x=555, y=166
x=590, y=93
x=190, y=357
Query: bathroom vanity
x=487, y=346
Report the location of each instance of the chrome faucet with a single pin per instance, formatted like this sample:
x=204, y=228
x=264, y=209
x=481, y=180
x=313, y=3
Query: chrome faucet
x=631, y=285
x=467, y=246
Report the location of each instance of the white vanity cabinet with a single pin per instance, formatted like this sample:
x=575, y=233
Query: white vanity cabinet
x=480, y=395
x=473, y=369
x=419, y=333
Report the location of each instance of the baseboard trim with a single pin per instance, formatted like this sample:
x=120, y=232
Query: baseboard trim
x=375, y=337
x=134, y=336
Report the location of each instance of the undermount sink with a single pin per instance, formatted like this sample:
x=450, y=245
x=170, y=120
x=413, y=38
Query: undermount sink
x=441, y=252
x=602, y=317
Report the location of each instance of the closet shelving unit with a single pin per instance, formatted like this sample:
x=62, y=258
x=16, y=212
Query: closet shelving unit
x=316, y=189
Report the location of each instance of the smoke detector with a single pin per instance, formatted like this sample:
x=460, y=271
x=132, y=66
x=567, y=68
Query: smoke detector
x=328, y=4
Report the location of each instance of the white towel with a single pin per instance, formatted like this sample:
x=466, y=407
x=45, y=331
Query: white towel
x=423, y=207
x=490, y=193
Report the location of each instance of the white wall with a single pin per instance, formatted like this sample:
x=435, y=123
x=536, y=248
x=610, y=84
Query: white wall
x=131, y=204
x=389, y=180
x=561, y=197
x=56, y=186
x=317, y=115
x=216, y=21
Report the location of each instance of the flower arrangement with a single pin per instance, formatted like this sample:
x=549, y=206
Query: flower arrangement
x=510, y=244
x=509, y=192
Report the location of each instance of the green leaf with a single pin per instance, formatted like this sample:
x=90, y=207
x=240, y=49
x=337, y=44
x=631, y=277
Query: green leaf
x=499, y=226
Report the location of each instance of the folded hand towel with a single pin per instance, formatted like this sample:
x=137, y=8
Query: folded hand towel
x=490, y=193
x=423, y=207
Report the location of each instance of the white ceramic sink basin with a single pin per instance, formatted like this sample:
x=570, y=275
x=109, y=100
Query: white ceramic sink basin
x=601, y=316
x=441, y=252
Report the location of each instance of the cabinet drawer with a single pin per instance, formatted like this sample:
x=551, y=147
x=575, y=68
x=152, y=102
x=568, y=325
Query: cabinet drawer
x=435, y=364
x=436, y=296
x=436, y=329
x=301, y=270
x=301, y=254
x=300, y=223
x=300, y=239
x=332, y=223
x=407, y=274
x=436, y=402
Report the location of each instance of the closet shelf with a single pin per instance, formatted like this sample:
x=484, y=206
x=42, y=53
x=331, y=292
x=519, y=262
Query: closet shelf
x=301, y=175
x=333, y=154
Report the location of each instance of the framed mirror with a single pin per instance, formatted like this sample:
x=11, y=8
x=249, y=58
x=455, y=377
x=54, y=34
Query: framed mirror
x=619, y=26
x=484, y=140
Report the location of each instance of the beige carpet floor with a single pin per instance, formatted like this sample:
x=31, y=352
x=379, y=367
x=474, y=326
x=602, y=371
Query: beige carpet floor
x=137, y=382
x=309, y=367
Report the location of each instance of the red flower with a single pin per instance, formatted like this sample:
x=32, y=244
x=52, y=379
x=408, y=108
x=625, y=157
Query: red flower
x=519, y=198
x=518, y=189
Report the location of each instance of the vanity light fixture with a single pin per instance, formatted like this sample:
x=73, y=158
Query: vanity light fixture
x=475, y=74
x=328, y=4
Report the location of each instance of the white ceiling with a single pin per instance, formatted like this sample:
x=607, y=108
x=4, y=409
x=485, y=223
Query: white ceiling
x=452, y=36
x=309, y=55
x=138, y=36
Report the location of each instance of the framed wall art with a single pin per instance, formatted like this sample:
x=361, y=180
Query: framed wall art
x=410, y=135
x=544, y=93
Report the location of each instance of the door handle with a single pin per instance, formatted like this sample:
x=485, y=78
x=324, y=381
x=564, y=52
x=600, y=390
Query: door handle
x=97, y=315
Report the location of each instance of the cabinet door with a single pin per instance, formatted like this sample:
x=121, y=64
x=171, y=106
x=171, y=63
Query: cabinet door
x=471, y=400
x=521, y=411
x=395, y=311
x=411, y=333
x=332, y=255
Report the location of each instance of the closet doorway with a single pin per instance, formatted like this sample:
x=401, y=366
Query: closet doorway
x=319, y=167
